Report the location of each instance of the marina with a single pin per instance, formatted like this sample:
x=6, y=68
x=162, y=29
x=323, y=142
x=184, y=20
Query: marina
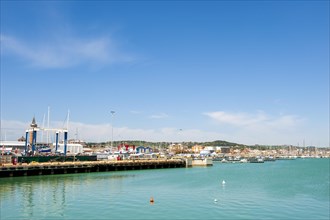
x=167, y=110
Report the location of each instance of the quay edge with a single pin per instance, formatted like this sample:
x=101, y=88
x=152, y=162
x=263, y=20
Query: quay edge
x=52, y=168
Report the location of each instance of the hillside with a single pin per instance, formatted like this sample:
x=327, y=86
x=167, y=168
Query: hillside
x=164, y=144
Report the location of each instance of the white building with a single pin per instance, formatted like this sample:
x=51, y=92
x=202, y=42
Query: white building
x=210, y=148
x=70, y=148
x=12, y=145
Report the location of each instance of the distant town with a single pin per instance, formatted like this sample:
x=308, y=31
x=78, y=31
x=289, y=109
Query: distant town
x=26, y=157
x=215, y=149
x=59, y=145
x=218, y=148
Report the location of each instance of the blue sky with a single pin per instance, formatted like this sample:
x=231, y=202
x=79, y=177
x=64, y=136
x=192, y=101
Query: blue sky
x=249, y=72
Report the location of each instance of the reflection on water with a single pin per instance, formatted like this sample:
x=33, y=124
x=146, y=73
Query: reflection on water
x=27, y=199
x=52, y=195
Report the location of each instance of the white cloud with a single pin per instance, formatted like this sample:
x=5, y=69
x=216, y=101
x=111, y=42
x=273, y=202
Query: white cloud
x=237, y=119
x=259, y=120
x=66, y=52
x=159, y=116
x=102, y=132
x=12, y=130
x=260, y=128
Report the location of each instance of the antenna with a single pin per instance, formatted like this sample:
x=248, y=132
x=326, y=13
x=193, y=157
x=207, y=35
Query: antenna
x=67, y=121
x=76, y=135
x=112, y=113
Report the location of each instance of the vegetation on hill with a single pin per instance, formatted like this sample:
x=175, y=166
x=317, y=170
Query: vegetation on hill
x=217, y=143
x=165, y=144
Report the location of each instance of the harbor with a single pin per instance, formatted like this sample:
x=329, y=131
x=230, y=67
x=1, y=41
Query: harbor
x=29, y=157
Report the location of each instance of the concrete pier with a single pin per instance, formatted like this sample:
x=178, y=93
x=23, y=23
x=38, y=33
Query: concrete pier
x=52, y=168
x=202, y=162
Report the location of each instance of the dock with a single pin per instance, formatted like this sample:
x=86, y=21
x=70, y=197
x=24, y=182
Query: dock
x=53, y=168
x=202, y=162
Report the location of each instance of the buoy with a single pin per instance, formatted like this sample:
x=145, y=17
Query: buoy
x=152, y=200
x=215, y=200
x=223, y=182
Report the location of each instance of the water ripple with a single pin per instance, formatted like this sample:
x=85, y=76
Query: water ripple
x=280, y=190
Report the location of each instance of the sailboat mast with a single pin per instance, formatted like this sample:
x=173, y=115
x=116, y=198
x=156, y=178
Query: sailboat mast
x=48, y=125
x=43, y=127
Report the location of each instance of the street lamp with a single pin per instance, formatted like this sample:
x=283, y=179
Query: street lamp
x=112, y=113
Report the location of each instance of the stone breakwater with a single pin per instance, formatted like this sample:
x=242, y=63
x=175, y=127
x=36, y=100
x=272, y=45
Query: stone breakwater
x=52, y=168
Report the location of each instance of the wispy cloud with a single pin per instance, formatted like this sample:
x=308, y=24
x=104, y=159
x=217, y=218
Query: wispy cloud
x=258, y=120
x=66, y=52
x=159, y=116
x=237, y=119
x=12, y=130
x=259, y=127
x=102, y=132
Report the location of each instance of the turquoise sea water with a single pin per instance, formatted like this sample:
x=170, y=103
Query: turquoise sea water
x=285, y=189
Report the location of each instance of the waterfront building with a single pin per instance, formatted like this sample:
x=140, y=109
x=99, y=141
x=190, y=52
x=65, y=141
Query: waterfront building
x=177, y=148
x=33, y=134
x=197, y=149
x=126, y=148
x=142, y=149
x=73, y=149
x=9, y=146
x=210, y=148
x=225, y=150
x=205, y=153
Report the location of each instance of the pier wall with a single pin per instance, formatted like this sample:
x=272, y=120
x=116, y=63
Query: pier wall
x=52, y=168
x=188, y=162
x=41, y=159
x=202, y=162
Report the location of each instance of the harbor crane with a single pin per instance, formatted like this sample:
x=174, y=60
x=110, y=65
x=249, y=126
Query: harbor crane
x=32, y=134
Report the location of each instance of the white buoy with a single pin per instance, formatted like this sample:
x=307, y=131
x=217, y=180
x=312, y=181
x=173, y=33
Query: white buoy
x=223, y=182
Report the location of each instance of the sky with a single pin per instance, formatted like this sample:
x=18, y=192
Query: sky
x=249, y=72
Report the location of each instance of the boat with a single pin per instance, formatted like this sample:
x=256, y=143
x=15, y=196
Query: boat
x=286, y=158
x=44, y=149
x=256, y=160
x=243, y=160
x=269, y=158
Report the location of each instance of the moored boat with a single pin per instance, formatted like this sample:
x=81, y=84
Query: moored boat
x=256, y=160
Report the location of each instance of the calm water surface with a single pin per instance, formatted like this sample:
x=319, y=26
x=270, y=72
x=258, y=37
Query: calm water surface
x=286, y=189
